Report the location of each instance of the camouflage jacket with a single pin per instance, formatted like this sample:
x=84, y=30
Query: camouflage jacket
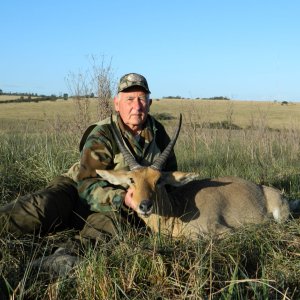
x=98, y=140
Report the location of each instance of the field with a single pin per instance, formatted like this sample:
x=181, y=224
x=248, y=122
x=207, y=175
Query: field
x=241, y=113
x=8, y=97
x=5, y=98
x=259, y=141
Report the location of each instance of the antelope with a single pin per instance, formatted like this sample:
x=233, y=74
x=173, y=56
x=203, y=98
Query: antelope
x=196, y=206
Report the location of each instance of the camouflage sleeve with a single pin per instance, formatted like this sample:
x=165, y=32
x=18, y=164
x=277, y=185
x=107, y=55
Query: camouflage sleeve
x=100, y=195
x=97, y=154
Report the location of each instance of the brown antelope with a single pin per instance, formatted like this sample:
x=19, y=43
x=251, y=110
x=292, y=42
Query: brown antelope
x=196, y=206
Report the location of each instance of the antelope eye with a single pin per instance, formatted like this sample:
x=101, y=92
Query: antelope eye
x=131, y=180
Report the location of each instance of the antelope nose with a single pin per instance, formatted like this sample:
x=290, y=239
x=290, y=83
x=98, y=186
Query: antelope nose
x=145, y=205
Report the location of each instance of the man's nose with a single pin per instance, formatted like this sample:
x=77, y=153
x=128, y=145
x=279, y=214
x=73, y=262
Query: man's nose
x=137, y=104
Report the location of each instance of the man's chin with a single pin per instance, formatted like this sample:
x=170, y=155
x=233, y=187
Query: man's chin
x=137, y=120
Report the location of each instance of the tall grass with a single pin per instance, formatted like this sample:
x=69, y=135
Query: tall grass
x=257, y=153
x=254, y=262
x=30, y=160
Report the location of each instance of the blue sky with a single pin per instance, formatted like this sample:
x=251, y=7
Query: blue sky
x=246, y=50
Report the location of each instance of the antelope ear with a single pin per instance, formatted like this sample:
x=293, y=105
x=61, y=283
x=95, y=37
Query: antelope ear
x=115, y=177
x=177, y=178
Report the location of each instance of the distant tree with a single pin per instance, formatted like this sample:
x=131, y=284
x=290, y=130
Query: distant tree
x=216, y=98
x=65, y=96
x=1, y=92
x=173, y=97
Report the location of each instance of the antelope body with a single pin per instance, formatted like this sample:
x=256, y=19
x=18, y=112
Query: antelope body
x=212, y=206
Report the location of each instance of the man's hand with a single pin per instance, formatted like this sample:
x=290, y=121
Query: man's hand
x=128, y=199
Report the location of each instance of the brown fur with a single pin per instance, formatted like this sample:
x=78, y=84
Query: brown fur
x=212, y=206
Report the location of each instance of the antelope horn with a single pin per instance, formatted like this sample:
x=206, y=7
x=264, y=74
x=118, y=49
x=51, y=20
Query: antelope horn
x=129, y=158
x=159, y=162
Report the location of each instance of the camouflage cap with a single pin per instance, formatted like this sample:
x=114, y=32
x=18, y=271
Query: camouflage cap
x=133, y=79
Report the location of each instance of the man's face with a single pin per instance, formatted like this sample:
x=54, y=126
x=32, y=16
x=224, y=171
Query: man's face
x=133, y=107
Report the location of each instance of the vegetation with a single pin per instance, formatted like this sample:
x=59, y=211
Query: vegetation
x=173, y=97
x=216, y=98
x=29, y=98
x=163, y=116
x=254, y=262
x=210, y=98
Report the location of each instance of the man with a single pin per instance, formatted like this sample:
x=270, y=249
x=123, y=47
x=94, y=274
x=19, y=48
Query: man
x=80, y=198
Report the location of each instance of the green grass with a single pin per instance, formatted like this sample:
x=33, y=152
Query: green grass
x=254, y=262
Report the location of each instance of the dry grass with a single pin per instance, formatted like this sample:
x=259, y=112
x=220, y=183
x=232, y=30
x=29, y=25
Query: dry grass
x=256, y=262
x=14, y=97
x=241, y=113
x=36, y=111
x=8, y=97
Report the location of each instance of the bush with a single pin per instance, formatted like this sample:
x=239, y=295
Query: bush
x=163, y=116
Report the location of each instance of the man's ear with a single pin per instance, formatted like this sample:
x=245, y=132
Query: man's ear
x=177, y=178
x=149, y=104
x=115, y=177
x=116, y=103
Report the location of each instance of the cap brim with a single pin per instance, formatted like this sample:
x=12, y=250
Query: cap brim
x=135, y=85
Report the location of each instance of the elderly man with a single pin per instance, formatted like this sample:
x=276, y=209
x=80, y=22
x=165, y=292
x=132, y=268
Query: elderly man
x=80, y=198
